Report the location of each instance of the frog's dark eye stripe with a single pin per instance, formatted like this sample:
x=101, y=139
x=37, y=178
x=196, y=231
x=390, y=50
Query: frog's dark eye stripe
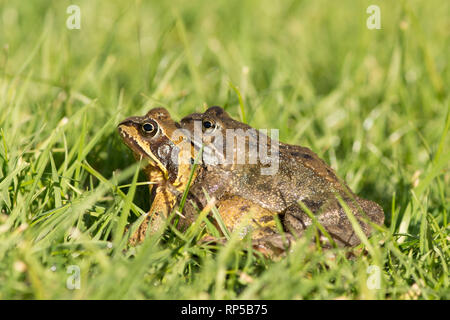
x=149, y=128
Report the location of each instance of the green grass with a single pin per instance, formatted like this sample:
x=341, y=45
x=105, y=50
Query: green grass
x=373, y=103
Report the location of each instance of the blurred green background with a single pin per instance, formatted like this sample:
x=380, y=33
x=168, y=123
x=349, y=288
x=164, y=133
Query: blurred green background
x=373, y=103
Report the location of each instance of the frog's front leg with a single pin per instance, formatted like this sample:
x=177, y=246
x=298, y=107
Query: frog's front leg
x=162, y=205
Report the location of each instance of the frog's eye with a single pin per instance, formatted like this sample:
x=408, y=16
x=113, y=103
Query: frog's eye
x=208, y=125
x=149, y=128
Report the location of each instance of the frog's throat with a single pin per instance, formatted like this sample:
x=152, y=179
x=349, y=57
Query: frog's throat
x=153, y=161
x=149, y=162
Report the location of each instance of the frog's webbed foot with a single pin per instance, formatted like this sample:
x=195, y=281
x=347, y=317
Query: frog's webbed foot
x=274, y=246
x=207, y=238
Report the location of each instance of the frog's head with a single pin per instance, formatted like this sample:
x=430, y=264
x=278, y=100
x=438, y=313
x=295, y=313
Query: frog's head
x=158, y=139
x=217, y=119
x=218, y=132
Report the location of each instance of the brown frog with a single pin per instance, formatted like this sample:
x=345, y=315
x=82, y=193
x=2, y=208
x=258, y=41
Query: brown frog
x=170, y=155
x=156, y=139
x=231, y=170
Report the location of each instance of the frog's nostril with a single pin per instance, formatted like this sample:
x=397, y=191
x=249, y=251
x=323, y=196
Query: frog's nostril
x=130, y=121
x=124, y=128
x=124, y=123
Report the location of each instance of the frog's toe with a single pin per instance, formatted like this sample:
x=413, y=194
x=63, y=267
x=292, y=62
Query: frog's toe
x=373, y=211
x=273, y=246
x=211, y=239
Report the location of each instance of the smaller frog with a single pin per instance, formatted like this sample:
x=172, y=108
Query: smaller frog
x=158, y=140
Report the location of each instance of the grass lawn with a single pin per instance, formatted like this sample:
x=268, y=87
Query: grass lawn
x=373, y=103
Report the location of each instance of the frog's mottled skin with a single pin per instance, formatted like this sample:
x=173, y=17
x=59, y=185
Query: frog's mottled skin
x=302, y=176
x=243, y=196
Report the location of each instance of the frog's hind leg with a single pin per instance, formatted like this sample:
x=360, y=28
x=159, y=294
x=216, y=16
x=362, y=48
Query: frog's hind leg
x=246, y=217
x=335, y=221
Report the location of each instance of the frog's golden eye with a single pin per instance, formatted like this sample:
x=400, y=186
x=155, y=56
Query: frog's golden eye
x=208, y=125
x=149, y=128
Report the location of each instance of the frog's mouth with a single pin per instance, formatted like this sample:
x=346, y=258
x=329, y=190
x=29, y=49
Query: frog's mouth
x=130, y=137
